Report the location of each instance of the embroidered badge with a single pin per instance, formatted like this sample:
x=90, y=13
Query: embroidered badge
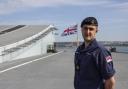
x=108, y=58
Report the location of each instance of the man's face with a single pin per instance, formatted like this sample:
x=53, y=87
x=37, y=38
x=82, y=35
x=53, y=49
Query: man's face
x=89, y=32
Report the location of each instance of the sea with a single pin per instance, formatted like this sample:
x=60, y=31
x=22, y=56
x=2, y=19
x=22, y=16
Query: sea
x=123, y=49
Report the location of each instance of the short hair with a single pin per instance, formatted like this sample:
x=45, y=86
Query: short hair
x=89, y=21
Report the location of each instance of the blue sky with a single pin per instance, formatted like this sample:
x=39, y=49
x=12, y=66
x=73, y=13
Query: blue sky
x=111, y=14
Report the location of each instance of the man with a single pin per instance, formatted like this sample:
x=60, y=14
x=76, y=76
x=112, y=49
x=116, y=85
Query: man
x=93, y=63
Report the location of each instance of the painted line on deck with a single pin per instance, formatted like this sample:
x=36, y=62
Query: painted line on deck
x=14, y=67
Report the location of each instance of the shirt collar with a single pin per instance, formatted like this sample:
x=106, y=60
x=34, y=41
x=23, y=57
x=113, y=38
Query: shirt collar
x=89, y=48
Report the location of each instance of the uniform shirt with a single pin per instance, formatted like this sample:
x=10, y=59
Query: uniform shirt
x=93, y=65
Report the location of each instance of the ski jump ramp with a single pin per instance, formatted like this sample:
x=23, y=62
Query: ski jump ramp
x=24, y=41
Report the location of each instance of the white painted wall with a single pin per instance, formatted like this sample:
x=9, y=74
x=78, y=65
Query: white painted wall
x=38, y=48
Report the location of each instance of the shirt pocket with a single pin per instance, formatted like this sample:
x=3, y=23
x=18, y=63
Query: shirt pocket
x=87, y=67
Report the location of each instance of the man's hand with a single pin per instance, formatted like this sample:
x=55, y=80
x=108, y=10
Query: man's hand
x=110, y=83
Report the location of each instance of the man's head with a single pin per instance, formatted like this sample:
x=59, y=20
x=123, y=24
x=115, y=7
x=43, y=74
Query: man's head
x=89, y=28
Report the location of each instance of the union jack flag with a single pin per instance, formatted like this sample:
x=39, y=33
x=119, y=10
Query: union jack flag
x=70, y=30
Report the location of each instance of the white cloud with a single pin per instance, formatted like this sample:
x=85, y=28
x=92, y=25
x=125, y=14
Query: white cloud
x=62, y=2
x=9, y=6
x=119, y=6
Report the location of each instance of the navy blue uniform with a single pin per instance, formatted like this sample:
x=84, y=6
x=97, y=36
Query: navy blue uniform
x=93, y=65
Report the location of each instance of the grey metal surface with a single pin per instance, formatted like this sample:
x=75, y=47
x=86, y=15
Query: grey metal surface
x=55, y=72
x=20, y=34
x=121, y=65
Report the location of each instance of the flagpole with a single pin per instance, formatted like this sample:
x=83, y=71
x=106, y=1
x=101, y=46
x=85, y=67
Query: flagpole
x=77, y=38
